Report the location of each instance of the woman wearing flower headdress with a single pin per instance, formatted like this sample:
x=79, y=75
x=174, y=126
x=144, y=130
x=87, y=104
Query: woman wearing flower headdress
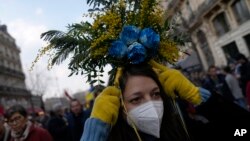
x=140, y=105
x=140, y=102
x=135, y=39
x=140, y=109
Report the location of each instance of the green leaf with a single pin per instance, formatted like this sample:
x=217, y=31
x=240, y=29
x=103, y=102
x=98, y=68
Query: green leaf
x=93, y=81
x=49, y=35
x=101, y=81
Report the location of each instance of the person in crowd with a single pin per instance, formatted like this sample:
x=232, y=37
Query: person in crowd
x=234, y=87
x=4, y=130
x=215, y=82
x=58, y=125
x=21, y=129
x=67, y=111
x=244, y=75
x=145, y=111
x=76, y=119
x=244, y=71
x=43, y=119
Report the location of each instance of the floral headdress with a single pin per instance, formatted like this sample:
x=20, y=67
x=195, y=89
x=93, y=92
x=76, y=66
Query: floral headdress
x=123, y=32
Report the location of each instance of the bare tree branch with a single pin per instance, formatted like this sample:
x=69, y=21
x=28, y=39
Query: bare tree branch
x=38, y=82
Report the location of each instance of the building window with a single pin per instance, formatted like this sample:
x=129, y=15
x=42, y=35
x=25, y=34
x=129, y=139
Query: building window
x=220, y=24
x=241, y=11
x=205, y=48
x=247, y=40
x=230, y=51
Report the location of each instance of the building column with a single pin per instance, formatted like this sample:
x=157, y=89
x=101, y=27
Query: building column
x=242, y=46
x=200, y=53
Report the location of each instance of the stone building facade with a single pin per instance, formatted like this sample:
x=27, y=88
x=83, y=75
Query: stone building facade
x=219, y=29
x=12, y=79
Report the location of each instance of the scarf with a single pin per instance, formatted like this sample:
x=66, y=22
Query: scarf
x=21, y=136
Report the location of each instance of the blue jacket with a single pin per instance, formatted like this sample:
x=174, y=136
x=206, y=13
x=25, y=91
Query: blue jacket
x=95, y=130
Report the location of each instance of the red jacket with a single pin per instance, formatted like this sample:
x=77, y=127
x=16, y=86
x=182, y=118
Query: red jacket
x=37, y=134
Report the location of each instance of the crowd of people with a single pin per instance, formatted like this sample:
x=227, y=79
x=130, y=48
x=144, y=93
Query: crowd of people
x=231, y=81
x=17, y=124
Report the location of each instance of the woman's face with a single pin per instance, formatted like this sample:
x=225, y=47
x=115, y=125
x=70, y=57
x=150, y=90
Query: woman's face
x=139, y=90
x=17, y=122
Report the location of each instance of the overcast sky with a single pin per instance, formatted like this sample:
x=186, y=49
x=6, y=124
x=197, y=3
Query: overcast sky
x=27, y=19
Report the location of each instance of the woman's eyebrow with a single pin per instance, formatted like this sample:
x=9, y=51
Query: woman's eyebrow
x=155, y=89
x=133, y=95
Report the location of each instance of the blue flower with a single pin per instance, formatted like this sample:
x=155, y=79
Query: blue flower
x=150, y=39
x=118, y=49
x=129, y=34
x=136, y=53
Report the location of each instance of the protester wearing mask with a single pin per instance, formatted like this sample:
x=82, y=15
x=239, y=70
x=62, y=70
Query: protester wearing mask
x=139, y=103
x=144, y=111
x=131, y=35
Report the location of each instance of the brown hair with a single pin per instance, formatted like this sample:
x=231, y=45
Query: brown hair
x=171, y=127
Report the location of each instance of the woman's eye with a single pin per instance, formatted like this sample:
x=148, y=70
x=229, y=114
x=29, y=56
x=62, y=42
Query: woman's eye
x=136, y=100
x=156, y=95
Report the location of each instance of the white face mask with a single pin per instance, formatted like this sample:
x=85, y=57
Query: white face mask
x=147, y=117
